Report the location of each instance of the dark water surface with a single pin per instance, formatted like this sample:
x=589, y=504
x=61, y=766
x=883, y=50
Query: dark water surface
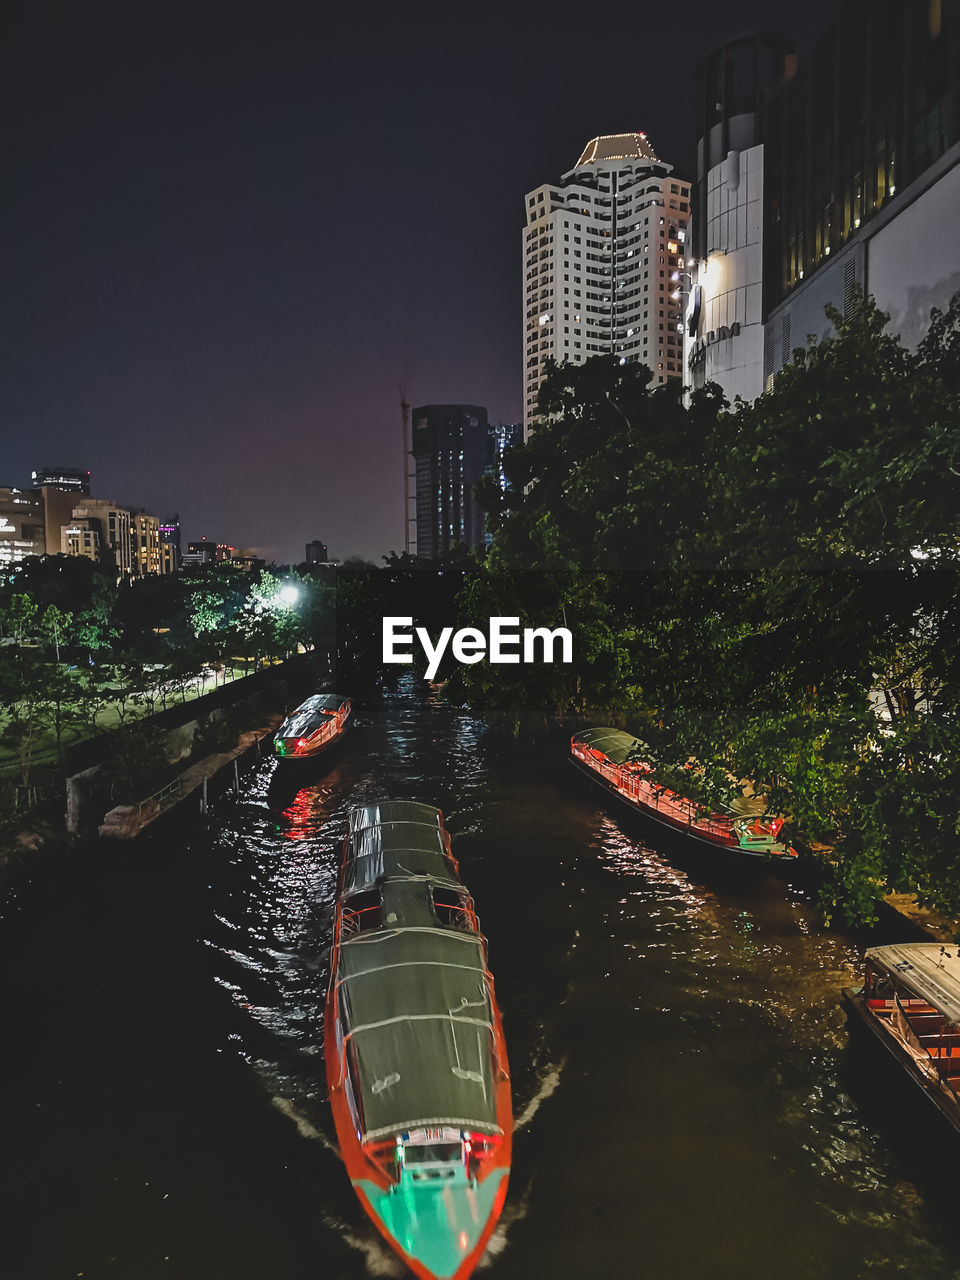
x=686, y=1099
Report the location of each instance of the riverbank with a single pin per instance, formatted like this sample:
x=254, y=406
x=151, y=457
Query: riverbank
x=124, y=822
x=121, y=782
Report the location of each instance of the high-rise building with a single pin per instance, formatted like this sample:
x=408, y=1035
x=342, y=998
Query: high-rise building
x=724, y=280
x=316, y=552
x=599, y=249
x=820, y=177
x=145, y=544
x=450, y=451
x=21, y=525
x=69, y=478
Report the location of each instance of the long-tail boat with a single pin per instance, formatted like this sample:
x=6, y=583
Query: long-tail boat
x=413, y=1041
x=910, y=1000
x=618, y=762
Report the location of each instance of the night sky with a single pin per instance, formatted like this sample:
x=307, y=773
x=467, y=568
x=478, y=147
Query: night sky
x=231, y=233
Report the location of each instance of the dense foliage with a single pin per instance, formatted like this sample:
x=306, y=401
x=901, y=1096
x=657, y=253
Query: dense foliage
x=80, y=652
x=770, y=591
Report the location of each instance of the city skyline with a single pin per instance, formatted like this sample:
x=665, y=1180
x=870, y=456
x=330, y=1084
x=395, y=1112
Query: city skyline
x=237, y=246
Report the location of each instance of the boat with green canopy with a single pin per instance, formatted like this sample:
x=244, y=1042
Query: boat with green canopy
x=313, y=728
x=910, y=1000
x=413, y=1041
x=620, y=763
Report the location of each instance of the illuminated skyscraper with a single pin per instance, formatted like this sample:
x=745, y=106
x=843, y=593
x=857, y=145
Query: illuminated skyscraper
x=599, y=249
x=450, y=448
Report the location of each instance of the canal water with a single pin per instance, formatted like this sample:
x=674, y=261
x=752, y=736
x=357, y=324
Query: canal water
x=686, y=1098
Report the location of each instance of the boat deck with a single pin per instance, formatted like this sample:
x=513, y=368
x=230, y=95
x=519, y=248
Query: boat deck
x=933, y=1035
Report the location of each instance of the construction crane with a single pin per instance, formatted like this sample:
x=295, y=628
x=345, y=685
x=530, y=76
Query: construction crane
x=407, y=518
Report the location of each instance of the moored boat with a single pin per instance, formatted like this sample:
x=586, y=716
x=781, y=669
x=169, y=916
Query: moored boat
x=616, y=760
x=415, y=1056
x=910, y=1000
x=314, y=727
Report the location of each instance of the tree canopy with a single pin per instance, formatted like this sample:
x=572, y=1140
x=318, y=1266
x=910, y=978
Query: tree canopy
x=770, y=590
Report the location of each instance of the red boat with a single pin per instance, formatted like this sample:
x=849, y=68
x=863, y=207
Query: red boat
x=313, y=728
x=413, y=1041
x=616, y=760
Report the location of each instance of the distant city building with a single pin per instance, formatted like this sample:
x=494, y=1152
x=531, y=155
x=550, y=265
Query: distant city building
x=248, y=558
x=198, y=553
x=81, y=537
x=114, y=530
x=21, y=525
x=145, y=544
x=599, y=249
x=316, y=552
x=170, y=554
x=58, y=507
x=814, y=178
x=450, y=450
x=69, y=478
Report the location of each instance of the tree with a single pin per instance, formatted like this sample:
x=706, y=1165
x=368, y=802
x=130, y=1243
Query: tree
x=24, y=697
x=56, y=624
x=18, y=618
x=770, y=591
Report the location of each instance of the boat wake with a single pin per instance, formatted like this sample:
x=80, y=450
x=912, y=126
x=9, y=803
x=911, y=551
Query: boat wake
x=513, y=1212
x=379, y=1260
x=548, y=1085
x=304, y=1127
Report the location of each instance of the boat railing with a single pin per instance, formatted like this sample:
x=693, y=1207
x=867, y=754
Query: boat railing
x=635, y=784
x=356, y=920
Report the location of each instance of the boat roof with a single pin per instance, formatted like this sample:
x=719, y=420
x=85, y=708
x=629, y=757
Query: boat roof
x=323, y=702
x=928, y=970
x=401, y=838
x=615, y=744
x=414, y=993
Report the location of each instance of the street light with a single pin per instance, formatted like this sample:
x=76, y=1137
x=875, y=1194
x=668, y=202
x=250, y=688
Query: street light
x=289, y=594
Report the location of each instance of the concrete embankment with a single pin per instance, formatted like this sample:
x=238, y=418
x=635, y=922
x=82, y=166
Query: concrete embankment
x=196, y=786
x=233, y=722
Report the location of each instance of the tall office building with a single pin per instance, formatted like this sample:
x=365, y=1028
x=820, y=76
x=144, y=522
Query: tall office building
x=820, y=177
x=599, y=250
x=450, y=450
x=725, y=317
x=316, y=552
